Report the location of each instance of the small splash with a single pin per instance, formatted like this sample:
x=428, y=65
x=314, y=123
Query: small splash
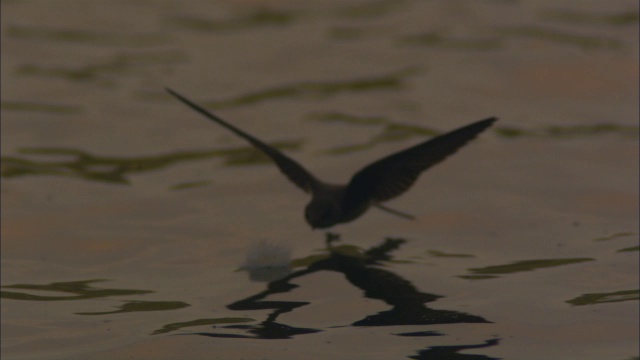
x=268, y=260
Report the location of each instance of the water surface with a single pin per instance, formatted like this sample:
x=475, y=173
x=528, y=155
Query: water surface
x=126, y=217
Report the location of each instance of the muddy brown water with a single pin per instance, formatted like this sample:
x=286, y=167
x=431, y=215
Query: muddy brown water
x=126, y=217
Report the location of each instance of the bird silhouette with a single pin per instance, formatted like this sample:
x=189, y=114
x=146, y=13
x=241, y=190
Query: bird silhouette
x=378, y=182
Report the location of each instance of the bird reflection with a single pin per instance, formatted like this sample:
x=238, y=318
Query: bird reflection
x=376, y=183
x=451, y=352
x=361, y=270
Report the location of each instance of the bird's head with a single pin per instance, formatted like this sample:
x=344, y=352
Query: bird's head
x=322, y=214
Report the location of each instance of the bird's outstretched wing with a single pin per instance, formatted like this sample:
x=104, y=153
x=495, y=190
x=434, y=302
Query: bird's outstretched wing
x=294, y=171
x=394, y=174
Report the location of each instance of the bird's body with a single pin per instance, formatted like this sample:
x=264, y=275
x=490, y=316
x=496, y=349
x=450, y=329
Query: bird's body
x=376, y=183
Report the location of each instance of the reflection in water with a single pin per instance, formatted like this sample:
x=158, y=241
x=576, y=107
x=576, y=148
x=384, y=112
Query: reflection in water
x=269, y=17
x=318, y=89
x=137, y=305
x=617, y=236
x=391, y=131
x=593, y=18
x=614, y=236
x=105, y=71
x=200, y=322
x=437, y=38
x=438, y=253
x=258, y=18
x=451, y=352
x=499, y=38
x=601, y=298
x=93, y=38
x=420, y=334
x=567, y=131
x=78, y=163
x=81, y=164
x=630, y=249
x=39, y=107
x=80, y=290
x=407, y=304
x=83, y=290
x=372, y=9
x=562, y=37
x=489, y=272
x=395, y=131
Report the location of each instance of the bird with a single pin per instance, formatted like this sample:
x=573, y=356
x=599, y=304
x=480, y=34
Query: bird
x=380, y=181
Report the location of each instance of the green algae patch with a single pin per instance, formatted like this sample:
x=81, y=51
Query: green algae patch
x=79, y=290
x=87, y=37
x=101, y=72
x=614, y=236
x=437, y=253
x=569, y=131
x=190, y=185
x=318, y=89
x=590, y=18
x=562, y=37
x=520, y=266
x=255, y=19
x=603, y=298
x=138, y=306
x=39, y=107
x=437, y=39
x=201, y=322
x=81, y=164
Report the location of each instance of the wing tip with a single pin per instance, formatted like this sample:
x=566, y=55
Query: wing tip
x=489, y=121
x=482, y=125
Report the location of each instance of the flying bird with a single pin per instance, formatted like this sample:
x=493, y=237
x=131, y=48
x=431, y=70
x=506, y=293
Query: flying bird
x=376, y=183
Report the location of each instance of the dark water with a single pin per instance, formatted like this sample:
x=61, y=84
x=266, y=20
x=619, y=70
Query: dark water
x=126, y=217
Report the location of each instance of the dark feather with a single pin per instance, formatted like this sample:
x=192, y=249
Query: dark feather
x=394, y=174
x=294, y=171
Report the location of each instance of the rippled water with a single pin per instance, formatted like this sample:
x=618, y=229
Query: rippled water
x=131, y=228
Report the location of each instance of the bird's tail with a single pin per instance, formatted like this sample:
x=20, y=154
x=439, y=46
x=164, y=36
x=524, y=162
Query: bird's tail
x=395, y=212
